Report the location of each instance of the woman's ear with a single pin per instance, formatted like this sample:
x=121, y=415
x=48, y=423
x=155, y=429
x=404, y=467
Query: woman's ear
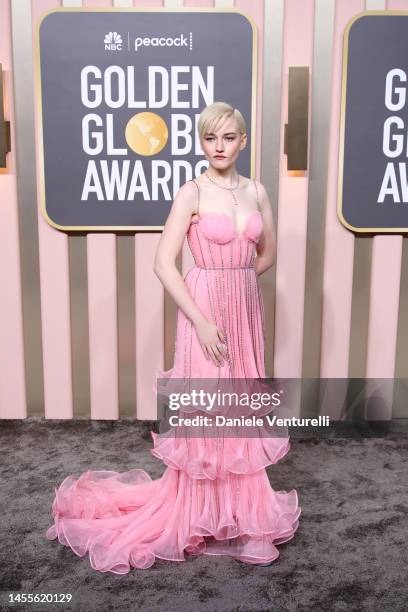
x=243, y=141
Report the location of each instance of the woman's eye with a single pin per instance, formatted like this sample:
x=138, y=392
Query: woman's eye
x=229, y=138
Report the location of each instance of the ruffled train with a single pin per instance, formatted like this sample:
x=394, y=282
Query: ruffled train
x=125, y=520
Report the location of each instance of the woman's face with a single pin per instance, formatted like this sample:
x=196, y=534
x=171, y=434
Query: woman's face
x=222, y=146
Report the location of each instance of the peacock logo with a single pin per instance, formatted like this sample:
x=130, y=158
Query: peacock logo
x=113, y=41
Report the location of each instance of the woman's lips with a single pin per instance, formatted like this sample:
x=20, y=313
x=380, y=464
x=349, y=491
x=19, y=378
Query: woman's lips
x=219, y=156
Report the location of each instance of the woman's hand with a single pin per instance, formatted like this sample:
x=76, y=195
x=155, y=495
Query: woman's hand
x=212, y=341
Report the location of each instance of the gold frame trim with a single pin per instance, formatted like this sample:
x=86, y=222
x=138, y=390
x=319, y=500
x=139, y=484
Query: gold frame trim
x=370, y=230
x=38, y=109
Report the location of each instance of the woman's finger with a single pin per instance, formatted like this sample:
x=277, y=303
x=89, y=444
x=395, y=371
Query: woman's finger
x=221, y=335
x=217, y=353
x=213, y=355
x=218, y=350
x=223, y=339
x=222, y=347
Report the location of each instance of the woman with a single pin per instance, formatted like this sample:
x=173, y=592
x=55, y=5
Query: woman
x=214, y=497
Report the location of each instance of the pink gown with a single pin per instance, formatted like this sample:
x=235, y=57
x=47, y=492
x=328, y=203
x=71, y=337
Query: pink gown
x=214, y=497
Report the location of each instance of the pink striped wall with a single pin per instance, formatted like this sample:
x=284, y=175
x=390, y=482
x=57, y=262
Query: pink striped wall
x=293, y=203
x=13, y=399
x=338, y=271
x=55, y=311
x=292, y=208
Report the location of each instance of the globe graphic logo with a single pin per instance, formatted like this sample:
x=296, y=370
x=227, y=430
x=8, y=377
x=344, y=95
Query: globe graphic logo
x=146, y=133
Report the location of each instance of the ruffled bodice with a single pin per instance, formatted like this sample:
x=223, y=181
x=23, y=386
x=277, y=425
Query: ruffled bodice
x=215, y=244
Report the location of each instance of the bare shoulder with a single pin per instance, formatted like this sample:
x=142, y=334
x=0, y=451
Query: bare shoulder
x=187, y=189
x=186, y=196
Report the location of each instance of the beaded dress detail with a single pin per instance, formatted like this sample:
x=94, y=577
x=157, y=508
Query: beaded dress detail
x=214, y=497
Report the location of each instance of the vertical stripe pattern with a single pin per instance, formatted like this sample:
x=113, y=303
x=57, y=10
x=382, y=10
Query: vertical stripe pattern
x=85, y=324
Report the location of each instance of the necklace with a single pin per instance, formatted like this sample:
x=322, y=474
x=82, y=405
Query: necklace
x=231, y=189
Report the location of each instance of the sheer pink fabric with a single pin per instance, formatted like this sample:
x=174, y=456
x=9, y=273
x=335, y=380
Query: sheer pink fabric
x=214, y=497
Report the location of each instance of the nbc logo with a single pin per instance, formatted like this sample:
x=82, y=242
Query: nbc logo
x=113, y=41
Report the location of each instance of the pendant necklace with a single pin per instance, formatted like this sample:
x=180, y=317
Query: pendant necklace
x=231, y=189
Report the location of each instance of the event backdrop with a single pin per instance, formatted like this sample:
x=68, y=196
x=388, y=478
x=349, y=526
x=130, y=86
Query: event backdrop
x=118, y=112
x=373, y=181
x=85, y=323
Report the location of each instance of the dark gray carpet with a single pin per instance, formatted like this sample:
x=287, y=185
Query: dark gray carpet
x=349, y=553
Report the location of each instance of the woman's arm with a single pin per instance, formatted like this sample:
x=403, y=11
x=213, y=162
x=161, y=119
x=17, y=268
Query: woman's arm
x=266, y=247
x=170, y=244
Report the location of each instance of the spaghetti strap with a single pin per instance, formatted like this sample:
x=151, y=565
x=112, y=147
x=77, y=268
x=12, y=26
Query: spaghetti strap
x=198, y=202
x=257, y=197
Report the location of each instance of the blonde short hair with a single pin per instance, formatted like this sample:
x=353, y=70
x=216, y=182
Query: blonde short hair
x=214, y=114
